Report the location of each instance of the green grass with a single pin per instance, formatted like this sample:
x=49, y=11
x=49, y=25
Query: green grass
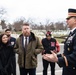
x=60, y=40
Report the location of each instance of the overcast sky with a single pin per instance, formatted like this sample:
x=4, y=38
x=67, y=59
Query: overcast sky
x=39, y=10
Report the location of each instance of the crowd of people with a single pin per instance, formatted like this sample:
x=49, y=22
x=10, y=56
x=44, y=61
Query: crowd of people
x=28, y=46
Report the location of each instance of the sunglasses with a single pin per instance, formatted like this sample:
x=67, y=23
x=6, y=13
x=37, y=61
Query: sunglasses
x=70, y=17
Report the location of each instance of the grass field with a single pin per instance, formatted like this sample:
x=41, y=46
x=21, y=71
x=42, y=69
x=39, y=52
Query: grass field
x=60, y=40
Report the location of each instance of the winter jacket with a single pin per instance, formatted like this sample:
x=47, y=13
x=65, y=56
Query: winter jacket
x=30, y=55
x=6, y=55
x=50, y=45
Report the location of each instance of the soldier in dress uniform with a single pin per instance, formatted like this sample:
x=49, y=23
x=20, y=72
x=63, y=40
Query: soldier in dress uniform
x=67, y=60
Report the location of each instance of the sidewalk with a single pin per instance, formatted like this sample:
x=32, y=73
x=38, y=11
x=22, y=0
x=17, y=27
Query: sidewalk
x=58, y=72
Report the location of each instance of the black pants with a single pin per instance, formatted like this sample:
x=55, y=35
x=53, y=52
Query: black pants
x=7, y=72
x=45, y=67
x=24, y=71
x=69, y=70
x=14, y=65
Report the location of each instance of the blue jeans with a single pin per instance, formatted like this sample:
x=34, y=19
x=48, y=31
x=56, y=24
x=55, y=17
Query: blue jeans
x=24, y=71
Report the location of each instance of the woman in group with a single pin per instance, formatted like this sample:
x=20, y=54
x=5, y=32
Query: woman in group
x=6, y=55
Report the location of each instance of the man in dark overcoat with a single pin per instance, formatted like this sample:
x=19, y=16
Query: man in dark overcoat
x=67, y=60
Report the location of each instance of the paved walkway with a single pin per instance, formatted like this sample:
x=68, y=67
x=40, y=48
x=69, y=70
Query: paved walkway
x=57, y=72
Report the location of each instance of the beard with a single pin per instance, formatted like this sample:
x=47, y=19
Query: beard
x=27, y=34
x=8, y=35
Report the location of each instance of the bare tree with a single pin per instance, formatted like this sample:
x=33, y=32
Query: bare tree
x=3, y=24
x=2, y=19
x=2, y=12
x=10, y=26
x=52, y=26
x=59, y=26
x=17, y=24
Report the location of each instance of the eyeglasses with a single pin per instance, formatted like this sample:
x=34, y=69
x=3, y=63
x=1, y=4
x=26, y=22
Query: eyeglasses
x=70, y=17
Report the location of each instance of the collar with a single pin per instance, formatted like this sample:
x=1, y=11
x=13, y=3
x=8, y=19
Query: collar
x=73, y=29
x=25, y=37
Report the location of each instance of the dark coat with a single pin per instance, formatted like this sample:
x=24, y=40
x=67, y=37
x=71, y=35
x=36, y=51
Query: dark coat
x=12, y=41
x=6, y=55
x=30, y=55
x=49, y=45
x=68, y=59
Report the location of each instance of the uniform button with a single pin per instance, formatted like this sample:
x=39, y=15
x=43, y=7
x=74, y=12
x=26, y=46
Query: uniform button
x=73, y=67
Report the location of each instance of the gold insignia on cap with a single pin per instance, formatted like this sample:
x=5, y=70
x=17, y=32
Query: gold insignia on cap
x=68, y=49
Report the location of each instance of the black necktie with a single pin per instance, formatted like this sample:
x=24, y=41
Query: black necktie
x=25, y=50
x=26, y=43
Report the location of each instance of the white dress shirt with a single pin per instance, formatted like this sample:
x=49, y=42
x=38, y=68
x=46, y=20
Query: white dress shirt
x=24, y=39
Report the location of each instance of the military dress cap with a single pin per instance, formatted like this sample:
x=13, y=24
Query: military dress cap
x=71, y=12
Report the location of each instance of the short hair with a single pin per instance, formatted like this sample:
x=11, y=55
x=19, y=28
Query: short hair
x=7, y=30
x=25, y=24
